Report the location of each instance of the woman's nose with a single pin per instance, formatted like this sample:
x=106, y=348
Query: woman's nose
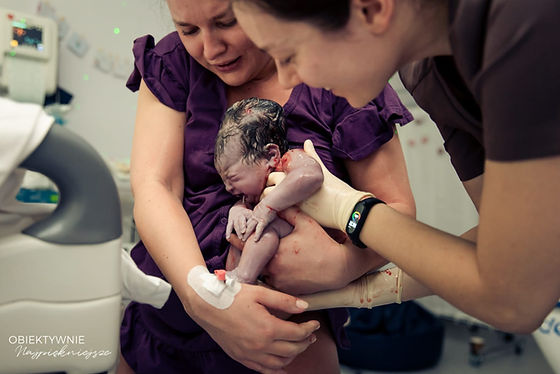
x=213, y=46
x=287, y=76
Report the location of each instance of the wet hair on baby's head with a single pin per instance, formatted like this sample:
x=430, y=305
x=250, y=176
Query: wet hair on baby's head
x=253, y=123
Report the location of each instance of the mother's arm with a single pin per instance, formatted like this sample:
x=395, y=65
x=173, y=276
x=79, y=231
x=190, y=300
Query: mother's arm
x=164, y=226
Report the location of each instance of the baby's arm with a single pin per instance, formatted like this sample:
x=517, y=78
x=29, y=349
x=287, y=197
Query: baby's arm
x=303, y=178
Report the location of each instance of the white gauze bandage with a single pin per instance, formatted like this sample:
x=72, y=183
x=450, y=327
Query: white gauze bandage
x=220, y=294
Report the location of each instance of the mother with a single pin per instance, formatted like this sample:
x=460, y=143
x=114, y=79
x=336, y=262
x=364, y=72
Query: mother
x=487, y=72
x=186, y=81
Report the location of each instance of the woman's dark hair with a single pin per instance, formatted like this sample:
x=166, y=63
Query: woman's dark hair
x=254, y=123
x=330, y=15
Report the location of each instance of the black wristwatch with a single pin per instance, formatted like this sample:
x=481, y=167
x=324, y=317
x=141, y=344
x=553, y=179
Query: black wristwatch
x=358, y=217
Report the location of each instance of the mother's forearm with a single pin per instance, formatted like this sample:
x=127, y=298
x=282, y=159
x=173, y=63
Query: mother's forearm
x=167, y=233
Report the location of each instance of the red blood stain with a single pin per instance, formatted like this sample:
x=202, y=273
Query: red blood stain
x=388, y=272
x=369, y=300
x=361, y=301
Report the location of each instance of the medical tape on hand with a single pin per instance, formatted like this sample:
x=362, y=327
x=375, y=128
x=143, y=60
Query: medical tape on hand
x=219, y=294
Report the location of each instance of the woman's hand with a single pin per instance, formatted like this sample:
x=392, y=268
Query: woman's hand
x=332, y=205
x=309, y=260
x=249, y=334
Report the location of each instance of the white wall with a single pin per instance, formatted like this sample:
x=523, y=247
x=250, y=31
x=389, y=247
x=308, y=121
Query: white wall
x=103, y=108
x=441, y=200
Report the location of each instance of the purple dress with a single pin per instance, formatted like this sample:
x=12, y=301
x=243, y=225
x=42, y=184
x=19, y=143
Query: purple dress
x=168, y=340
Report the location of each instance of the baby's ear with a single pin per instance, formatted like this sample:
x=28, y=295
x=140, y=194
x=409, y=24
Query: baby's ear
x=273, y=154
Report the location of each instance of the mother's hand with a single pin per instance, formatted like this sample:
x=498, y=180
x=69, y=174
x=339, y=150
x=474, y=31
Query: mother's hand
x=249, y=334
x=308, y=260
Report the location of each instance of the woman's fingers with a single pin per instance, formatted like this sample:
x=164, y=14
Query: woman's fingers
x=236, y=241
x=275, y=177
x=290, y=350
x=261, y=368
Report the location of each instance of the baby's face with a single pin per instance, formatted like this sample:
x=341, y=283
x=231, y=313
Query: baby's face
x=240, y=178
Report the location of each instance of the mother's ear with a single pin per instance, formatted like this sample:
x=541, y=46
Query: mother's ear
x=376, y=14
x=273, y=154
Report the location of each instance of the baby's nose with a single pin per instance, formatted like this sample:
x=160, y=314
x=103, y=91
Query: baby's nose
x=230, y=189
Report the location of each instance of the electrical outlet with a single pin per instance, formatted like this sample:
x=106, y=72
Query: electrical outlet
x=77, y=45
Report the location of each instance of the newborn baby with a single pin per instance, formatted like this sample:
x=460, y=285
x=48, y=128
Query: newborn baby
x=251, y=143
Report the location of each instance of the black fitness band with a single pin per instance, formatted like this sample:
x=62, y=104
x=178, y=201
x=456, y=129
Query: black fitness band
x=358, y=217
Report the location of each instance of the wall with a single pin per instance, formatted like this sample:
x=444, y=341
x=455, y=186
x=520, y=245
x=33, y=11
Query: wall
x=441, y=200
x=103, y=108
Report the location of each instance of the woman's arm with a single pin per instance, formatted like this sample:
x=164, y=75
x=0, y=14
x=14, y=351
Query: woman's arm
x=157, y=185
x=165, y=228
x=379, y=288
x=508, y=278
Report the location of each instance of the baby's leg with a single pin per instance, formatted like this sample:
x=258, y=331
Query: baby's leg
x=256, y=255
x=321, y=357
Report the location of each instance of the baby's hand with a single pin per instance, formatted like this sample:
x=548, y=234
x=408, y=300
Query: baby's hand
x=238, y=218
x=261, y=217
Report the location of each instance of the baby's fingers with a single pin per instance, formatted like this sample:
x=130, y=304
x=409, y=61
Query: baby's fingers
x=229, y=228
x=258, y=231
x=240, y=225
x=251, y=225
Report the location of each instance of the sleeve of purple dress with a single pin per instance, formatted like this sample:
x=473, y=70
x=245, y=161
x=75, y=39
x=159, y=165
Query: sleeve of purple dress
x=360, y=132
x=163, y=69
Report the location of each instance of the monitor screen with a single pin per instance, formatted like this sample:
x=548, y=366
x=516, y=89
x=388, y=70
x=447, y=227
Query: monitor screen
x=27, y=35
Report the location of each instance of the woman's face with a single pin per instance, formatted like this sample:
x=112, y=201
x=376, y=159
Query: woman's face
x=211, y=35
x=352, y=62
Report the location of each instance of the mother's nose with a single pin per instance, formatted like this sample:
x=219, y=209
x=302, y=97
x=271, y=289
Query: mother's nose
x=213, y=46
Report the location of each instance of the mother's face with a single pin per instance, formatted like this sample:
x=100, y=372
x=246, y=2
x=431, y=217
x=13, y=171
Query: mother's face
x=211, y=35
x=348, y=61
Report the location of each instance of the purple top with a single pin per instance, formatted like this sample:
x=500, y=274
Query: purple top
x=496, y=98
x=338, y=131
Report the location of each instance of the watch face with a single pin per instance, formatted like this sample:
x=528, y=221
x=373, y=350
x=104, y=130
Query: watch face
x=355, y=218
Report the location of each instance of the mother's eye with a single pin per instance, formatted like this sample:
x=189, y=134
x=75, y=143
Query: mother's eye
x=191, y=31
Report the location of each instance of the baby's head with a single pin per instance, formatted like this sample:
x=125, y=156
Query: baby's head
x=249, y=145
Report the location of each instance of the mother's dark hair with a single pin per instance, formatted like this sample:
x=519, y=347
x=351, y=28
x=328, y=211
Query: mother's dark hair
x=328, y=15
